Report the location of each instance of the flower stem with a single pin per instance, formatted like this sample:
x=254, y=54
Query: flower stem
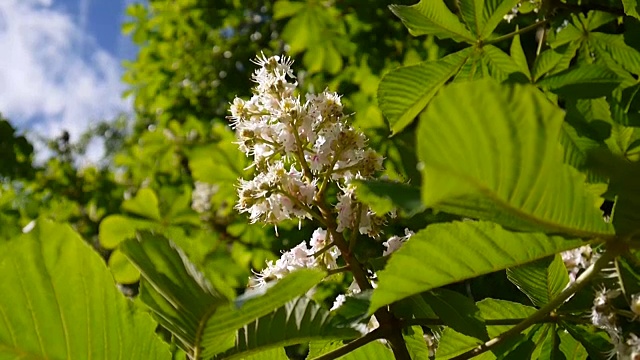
x=389, y=325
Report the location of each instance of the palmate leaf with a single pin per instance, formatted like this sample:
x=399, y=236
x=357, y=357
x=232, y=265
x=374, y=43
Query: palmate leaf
x=491, y=151
x=60, y=302
x=203, y=318
x=404, y=92
x=432, y=18
x=179, y=296
x=448, y=253
x=483, y=16
x=299, y=321
x=542, y=280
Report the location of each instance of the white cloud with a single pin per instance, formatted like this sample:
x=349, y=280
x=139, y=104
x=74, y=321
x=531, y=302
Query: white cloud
x=52, y=75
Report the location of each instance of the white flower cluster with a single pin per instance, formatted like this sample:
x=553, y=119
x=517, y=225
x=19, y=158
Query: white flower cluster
x=578, y=259
x=301, y=256
x=312, y=139
x=605, y=316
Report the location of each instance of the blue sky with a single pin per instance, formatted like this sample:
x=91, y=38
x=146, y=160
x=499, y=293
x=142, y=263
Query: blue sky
x=61, y=64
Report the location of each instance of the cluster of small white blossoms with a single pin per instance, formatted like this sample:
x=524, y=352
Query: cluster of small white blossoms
x=604, y=316
x=296, y=146
x=577, y=260
x=300, y=257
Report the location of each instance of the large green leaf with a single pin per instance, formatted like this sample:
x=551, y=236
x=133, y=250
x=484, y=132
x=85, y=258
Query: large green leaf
x=444, y=254
x=491, y=151
x=178, y=295
x=582, y=82
x=482, y=16
x=403, y=93
x=60, y=302
x=185, y=303
x=297, y=322
x=458, y=312
x=432, y=18
x=542, y=280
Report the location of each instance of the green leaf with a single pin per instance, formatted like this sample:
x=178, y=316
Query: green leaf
x=576, y=148
x=416, y=343
x=144, y=204
x=432, y=18
x=458, y=312
x=116, y=228
x=542, y=280
x=570, y=347
x=518, y=56
x=383, y=196
x=582, y=82
x=271, y=354
x=631, y=8
x=594, y=341
x=448, y=253
x=179, y=296
x=629, y=275
x=299, y=321
x=614, y=46
x=453, y=343
x=553, y=60
x=482, y=17
x=494, y=12
x=550, y=348
x=500, y=65
x=123, y=271
x=61, y=302
x=372, y=351
x=521, y=183
x=404, y=92
x=255, y=304
x=285, y=9
x=623, y=177
x=185, y=303
x=496, y=309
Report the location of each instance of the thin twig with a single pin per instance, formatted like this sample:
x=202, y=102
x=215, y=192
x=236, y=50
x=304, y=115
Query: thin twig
x=517, y=32
x=580, y=283
x=349, y=347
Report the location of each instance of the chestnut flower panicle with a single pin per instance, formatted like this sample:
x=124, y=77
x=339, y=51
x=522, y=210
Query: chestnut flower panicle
x=300, y=148
x=313, y=139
